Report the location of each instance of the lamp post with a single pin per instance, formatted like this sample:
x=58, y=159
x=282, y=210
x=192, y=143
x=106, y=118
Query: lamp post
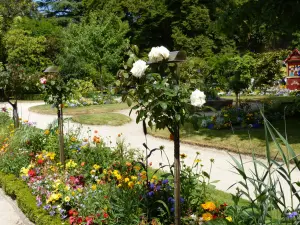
x=176, y=57
x=53, y=72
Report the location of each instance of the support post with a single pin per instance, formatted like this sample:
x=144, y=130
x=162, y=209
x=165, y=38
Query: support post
x=177, y=175
x=61, y=134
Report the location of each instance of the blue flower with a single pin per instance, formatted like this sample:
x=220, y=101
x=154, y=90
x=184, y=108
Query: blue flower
x=151, y=193
x=171, y=200
x=151, y=186
x=47, y=207
x=52, y=213
x=172, y=209
x=292, y=215
x=158, y=187
x=181, y=200
x=165, y=181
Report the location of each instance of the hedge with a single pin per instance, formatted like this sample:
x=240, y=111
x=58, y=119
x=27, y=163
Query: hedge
x=18, y=190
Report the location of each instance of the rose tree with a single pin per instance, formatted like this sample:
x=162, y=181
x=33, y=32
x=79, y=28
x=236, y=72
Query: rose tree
x=162, y=97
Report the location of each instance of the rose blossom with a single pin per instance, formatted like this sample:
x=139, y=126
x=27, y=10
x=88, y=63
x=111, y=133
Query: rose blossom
x=158, y=54
x=139, y=68
x=198, y=98
x=43, y=80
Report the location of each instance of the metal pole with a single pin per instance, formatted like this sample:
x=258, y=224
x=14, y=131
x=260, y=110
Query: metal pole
x=177, y=165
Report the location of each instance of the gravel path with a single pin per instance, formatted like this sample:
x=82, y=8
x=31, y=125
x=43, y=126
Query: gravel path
x=222, y=169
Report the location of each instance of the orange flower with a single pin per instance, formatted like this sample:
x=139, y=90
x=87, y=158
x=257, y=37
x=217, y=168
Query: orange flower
x=207, y=216
x=83, y=163
x=210, y=206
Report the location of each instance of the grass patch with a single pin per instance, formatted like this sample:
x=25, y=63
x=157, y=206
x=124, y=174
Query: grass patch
x=91, y=109
x=243, y=141
x=263, y=97
x=111, y=119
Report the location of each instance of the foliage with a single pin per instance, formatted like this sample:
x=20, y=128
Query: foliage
x=234, y=72
x=18, y=190
x=93, y=49
x=25, y=50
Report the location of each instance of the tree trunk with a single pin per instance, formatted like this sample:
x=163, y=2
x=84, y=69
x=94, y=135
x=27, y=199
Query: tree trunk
x=237, y=103
x=61, y=134
x=177, y=175
x=15, y=113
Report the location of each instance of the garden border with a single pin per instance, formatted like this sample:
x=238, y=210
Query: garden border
x=19, y=191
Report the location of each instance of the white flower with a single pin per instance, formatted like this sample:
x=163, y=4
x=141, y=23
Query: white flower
x=158, y=54
x=139, y=68
x=198, y=98
x=43, y=80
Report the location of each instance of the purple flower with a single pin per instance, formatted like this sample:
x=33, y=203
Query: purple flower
x=172, y=209
x=181, y=200
x=39, y=203
x=292, y=215
x=47, y=207
x=151, y=186
x=171, y=200
x=63, y=217
x=52, y=213
x=158, y=187
x=151, y=193
x=165, y=181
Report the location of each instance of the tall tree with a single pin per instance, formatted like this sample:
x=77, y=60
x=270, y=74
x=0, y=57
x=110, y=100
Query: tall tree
x=94, y=48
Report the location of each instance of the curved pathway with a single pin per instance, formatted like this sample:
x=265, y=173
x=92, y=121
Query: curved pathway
x=222, y=169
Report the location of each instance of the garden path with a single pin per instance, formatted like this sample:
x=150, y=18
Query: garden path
x=222, y=169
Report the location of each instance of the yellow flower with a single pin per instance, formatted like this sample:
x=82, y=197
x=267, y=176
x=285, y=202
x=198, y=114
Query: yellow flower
x=46, y=132
x=229, y=218
x=137, y=168
x=79, y=190
x=210, y=206
x=67, y=199
x=96, y=167
x=24, y=171
x=197, y=160
x=94, y=187
x=73, y=193
x=71, y=164
x=73, y=139
x=93, y=172
x=133, y=178
x=207, y=216
x=119, y=177
x=126, y=179
x=130, y=184
x=104, y=171
x=119, y=185
x=51, y=155
x=67, y=187
x=154, y=177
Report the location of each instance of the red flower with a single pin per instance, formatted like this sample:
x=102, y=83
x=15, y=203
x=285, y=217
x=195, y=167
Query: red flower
x=79, y=220
x=72, y=220
x=40, y=161
x=89, y=220
x=105, y=215
x=31, y=173
x=72, y=212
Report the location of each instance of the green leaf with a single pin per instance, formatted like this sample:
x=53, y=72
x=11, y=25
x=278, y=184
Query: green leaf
x=177, y=117
x=129, y=101
x=163, y=105
x=118, y=82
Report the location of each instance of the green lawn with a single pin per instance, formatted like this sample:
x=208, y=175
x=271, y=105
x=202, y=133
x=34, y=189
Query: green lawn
x=92, y=109
x=263, y=97
x=243, y=141
x=111, y=119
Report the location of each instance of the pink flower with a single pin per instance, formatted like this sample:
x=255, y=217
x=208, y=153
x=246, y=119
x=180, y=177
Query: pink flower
x=43, y=80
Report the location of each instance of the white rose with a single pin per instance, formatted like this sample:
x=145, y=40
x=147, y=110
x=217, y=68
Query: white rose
x=198, y=98
x=157, y=54
x=139, y=68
